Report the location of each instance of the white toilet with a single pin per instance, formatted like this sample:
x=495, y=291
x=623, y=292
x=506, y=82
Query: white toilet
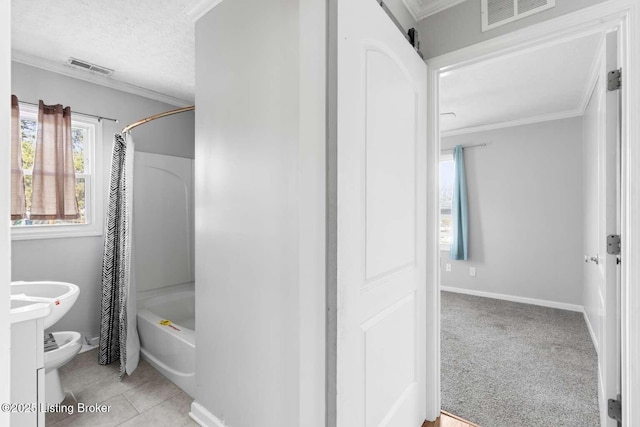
x=69, y=344
x=61, y=296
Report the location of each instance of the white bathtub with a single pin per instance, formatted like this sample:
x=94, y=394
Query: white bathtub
x=170, y=349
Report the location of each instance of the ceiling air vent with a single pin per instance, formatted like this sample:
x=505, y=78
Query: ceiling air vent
x=499, y=12
x=98, y=69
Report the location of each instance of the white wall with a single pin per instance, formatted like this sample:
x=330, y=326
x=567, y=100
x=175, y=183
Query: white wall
x=163, y=233
x=79, y=260
x=259, y=180
x=311, y=212
x=5, y=242
x=525, y=204
x=460, y=25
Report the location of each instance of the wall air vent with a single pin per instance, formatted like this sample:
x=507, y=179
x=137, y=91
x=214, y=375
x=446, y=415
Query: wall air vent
x=499, y=12
x=98, y=69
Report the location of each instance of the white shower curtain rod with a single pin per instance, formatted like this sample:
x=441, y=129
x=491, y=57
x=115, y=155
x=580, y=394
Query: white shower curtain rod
x=158, y=116
x=484, y=144
x=75, y=112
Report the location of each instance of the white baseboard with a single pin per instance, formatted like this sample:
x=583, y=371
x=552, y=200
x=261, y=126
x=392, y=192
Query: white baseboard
x=86, y=347
x=591, y=333
x=203, y=417
x=524, y=300
x=602, y=399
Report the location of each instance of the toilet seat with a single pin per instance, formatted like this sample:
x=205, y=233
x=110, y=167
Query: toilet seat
x=68, y=346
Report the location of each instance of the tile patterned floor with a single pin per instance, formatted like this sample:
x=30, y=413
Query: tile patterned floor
x=146, y=398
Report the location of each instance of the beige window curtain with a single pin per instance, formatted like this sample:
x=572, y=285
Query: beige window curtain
x=18, y=205
x=54, y=177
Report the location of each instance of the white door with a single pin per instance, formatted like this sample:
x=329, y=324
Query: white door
x=601, y=189
x=380, y=221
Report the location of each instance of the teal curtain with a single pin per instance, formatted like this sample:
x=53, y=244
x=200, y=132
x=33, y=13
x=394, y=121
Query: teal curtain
x=459, y=209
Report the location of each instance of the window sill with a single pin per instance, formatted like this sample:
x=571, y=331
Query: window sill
x=60, y=232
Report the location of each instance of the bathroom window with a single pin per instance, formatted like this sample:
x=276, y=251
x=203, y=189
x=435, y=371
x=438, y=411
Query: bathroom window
x=86, y=134
x=446, y=196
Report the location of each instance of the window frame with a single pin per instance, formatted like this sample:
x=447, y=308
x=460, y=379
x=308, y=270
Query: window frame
x=446, y=157
x=93, y=185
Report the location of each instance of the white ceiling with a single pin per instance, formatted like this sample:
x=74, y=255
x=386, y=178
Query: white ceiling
x=149, y=43
x=550, y=82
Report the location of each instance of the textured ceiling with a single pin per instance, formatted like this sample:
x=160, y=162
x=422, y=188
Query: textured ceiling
x=149, y=43
x=547, y=82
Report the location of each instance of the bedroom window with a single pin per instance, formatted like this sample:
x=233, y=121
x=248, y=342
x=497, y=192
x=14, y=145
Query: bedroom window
x=446, y=196
x=86, y=148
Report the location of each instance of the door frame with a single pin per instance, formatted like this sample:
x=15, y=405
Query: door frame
x=625, y=16
x=5, y=230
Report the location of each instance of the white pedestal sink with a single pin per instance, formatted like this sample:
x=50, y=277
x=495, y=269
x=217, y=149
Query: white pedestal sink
x=61, y=296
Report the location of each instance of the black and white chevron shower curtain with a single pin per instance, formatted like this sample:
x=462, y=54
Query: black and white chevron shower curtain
x=118, y=333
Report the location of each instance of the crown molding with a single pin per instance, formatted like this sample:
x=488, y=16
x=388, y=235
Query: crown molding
x=519, y=122
x=198, y=8
x=67, y=70
x=421, y=9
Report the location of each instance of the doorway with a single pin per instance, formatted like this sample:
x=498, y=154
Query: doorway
x=514, y=337
x=529, y=40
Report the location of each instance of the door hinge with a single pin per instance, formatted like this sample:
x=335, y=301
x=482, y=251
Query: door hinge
x=613, y=244
x=615, y=409
x=614, y=79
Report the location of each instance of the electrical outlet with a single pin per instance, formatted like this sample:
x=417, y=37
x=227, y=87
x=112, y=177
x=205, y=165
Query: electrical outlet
x=448, y=267
x=472, y=271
